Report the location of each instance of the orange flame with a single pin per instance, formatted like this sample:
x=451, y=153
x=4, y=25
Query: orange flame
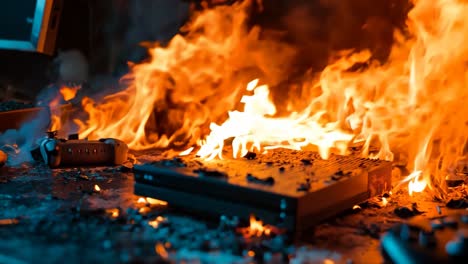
x=153, y=201
x=186, y=152
x=161, y=251
x=155, y=223
x=414, y=103
x=66, y=93
x=114, y=212
x=256, y=127
x=69, y=93
x=256, y=228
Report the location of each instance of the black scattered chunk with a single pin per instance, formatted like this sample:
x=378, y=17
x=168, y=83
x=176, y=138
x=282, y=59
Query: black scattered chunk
x=52, y=134
x=250, y=155
x=454, y=183
x=203, y=172
x=405, y=212
x=304, y=186
x=336, y=177
x=461, y=203
x=266, y=181
x=340, y=174
x=306, y=162
x=73, y=137
x=173, y=163
x=372, y=230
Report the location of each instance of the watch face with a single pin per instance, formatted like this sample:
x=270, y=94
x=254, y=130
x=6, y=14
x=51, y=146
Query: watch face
x=21, y=23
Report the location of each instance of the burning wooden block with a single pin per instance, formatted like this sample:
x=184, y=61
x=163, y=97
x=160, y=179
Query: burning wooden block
x=290, y=189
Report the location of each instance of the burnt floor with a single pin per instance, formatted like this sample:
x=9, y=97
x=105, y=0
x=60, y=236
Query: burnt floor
x=57, y=216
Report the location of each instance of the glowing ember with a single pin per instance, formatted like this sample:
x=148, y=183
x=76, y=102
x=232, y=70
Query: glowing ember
x=144, y=210
x=161, y=251
x=155, y=201
x=142, y=200
x=414, y=104
x=97, y=188
x=155, y=223
x=5, y=222
x=256, y=228
x=357, y=207
x=114, y=213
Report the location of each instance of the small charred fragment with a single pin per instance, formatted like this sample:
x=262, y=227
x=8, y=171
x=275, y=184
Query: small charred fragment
x=461, y=203
x=405, y=212
x=265, y=181
x=203, y=172
x=250, y=155
x=173, y=163
x=304, y=186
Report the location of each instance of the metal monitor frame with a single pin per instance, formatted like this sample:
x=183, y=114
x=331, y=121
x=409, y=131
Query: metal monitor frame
x=44, y=29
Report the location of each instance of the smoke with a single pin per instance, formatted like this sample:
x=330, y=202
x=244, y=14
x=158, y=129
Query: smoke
x=130, y=23
x=18, y=143
x=72, y=66
x=69, y=67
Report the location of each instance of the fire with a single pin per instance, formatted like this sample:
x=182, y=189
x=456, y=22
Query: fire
x=114, y=212
x=155, y=223
x=161, y=251
x=55, y=122
x=256, y=127
x=69, y=92
x=97, y=188
x=256, y=228
x=416, y=182
x=215, y=83
x=153, y=201
x=384, y=201
x=186, y=152
x=66, y=93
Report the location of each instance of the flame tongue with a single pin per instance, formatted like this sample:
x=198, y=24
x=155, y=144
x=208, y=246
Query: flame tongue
x=256, y=127
x=66, y=93
x=69, y=92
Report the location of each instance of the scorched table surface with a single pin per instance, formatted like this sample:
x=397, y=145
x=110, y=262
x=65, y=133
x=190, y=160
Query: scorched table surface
x=57, y=216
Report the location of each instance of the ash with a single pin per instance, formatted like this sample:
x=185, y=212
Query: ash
x=52, y=216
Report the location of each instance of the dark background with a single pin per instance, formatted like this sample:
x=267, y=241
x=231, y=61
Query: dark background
x=13, y=19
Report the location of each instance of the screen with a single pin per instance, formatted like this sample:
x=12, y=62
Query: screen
x=21, y=24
